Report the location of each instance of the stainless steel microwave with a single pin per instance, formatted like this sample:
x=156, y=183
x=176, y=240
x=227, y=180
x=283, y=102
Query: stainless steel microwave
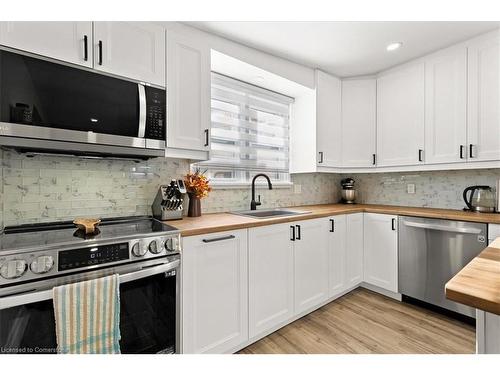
x=51, y=107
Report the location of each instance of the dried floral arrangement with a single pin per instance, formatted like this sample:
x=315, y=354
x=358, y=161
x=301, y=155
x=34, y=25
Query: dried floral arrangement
x=197, y=184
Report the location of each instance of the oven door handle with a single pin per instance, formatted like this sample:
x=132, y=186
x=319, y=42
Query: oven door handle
x=142, y=111
x=43, y=295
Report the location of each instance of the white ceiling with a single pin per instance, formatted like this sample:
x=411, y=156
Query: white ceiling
x=346, y=48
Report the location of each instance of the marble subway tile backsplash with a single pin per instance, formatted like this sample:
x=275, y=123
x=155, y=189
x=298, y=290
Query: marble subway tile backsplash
x=52, y=188
x=438, y=189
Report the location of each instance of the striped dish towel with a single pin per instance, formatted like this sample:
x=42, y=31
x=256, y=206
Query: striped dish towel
x=88, y=316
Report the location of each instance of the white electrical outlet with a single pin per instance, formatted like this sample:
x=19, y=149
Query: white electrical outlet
x=297, y=189
x=410, y=188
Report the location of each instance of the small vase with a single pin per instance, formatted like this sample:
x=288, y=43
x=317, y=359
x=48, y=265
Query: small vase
x=194, y=209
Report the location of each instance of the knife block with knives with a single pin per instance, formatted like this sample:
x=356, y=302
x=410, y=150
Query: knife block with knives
x=168, y=203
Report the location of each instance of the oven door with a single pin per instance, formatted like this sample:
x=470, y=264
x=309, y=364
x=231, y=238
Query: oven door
x=149, y=320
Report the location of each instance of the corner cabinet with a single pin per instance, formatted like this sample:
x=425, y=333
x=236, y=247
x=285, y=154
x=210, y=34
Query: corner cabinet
x=328, y=120
x=65, y=41
x=337, y=254
x=381, y=251
x=130, y=49
x=215, y=287
x=354, y=250
x=400, y=116
x=483, y=127
x=359, y=116
x=188, y=93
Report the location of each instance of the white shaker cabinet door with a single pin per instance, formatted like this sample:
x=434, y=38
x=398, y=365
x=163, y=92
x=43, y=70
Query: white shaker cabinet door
x=400, y=116
x=66, y=41
x=381, y=251
x=354, y=250
x=446, y=106
x=134, y=50
x=270, y=272
x=337, y=254
x=359, y=116
x=328, y=120
x=483, y=130
x=311, y=263
x=188, y=93
x=215, y=292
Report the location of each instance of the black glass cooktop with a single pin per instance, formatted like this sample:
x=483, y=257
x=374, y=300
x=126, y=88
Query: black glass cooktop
x=36, y=236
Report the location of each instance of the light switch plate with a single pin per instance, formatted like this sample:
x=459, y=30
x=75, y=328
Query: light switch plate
x=297, y=189
x=410, y=188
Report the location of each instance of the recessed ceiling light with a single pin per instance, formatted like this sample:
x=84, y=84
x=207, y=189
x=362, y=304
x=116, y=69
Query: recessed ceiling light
x=394, y=46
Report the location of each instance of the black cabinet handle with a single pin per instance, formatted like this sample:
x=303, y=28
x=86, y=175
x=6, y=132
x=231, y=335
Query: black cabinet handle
x=85, y=48
x=470, y=151
x=298, y=232
x=332, y=228
x=100, y=52
x=292, y=227
x=393, y=224
x=208, y=240
x=461, y=151
x=206, y=137
x=374, y=159
x=320, y=157
x=420, y=152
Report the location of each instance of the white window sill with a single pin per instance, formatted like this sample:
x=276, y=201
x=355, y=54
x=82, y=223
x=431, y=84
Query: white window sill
x=248, y=185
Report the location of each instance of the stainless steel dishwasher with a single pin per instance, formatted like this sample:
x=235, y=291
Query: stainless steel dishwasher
x=431, y=252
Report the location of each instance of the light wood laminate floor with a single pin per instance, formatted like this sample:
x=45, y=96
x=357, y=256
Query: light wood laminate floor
x=366, y=322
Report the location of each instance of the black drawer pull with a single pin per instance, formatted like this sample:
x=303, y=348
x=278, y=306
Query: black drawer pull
x=298, y=232
x=292, y=227
x=332, y=228
x=470, y=151
x=320, y=157
x=100, y=52
x=461, y=151
x=374, y=159
x=85, y=48
x=420, y=152
x=208, y=240
x=393, y=224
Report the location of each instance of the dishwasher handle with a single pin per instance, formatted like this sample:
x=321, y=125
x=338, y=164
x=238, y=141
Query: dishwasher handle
x=442, y=228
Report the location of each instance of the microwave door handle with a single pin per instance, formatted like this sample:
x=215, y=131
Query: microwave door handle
x=142, y=111
x=46, y=294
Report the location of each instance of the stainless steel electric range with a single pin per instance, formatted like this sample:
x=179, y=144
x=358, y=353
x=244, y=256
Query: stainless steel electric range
x=35, y=258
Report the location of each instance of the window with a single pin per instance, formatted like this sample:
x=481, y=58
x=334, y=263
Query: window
x=249, y=133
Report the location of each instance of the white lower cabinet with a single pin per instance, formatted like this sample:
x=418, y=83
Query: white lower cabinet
x=381, y=251
x=311, y=263
x=270, y=277
x=354, y=250
x=337, y=254
x=215, y=292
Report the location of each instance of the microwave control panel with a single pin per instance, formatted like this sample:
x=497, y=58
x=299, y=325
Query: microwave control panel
x=155, y=113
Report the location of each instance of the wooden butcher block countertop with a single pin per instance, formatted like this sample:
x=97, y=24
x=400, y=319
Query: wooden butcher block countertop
x=478, y=283
x=219, y=222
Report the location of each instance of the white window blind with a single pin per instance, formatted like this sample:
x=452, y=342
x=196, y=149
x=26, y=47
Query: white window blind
x=249, y=132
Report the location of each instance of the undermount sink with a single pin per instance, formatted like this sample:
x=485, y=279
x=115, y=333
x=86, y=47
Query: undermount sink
x=264, y=214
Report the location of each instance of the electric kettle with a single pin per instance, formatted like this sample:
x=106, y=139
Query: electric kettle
x=480, y=199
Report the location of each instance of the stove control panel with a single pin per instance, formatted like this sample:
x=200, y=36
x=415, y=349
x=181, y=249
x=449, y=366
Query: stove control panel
x=90, y=256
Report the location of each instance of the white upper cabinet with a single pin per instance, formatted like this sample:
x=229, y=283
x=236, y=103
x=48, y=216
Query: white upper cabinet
x=215, y=292
x=328, y=120
x=381, y=251
x=311, y=264
x=400, y=116
x=445, y=106
x=359, y=113
x=188, y=93
x=270, y=277
x=131, y=49
x=66, y=41
x=483, y=129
